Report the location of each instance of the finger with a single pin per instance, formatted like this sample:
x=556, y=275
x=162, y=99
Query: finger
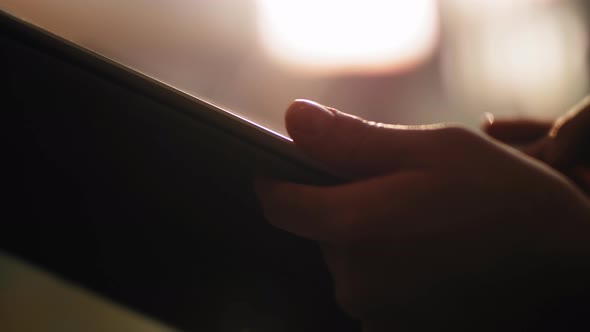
x=352, y=146
x=581, y=175
x=517, y=131
x=537, y=148
x=344, y=213
x=570, y=135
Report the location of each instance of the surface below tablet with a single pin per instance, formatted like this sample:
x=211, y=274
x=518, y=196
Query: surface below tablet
x=35, y=300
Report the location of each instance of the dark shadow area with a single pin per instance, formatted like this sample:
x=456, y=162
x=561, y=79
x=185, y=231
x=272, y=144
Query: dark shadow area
x=139, y=203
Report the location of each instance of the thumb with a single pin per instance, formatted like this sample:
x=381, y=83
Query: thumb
x=353, y=146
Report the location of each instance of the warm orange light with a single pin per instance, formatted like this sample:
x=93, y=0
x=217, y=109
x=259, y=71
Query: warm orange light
x=348, y=36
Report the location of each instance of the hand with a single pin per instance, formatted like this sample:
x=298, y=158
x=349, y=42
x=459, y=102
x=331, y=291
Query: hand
x=563, y=144
x=439, y=224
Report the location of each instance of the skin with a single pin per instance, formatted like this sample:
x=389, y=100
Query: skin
x=563, y=144
x=439, y=227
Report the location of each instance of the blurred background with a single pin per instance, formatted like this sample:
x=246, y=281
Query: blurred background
x=407, y=62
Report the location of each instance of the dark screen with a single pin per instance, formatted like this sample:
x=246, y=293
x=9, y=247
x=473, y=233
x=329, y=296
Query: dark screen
x=127, y=197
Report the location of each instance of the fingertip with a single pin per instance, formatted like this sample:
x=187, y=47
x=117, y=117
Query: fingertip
x=270, y=198
x=492, y=130
x=307, y=119
x=485, y=127
x=291, y=207
x=487, y=121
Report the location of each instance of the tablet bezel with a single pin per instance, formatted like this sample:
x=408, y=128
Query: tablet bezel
x=195, y=109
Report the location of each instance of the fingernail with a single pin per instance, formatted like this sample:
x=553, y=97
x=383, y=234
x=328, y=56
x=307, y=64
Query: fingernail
x=308, y=117
x=488, y=118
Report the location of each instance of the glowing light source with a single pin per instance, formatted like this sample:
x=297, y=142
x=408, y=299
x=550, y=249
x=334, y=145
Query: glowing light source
x=349, y=36
x=519, y=57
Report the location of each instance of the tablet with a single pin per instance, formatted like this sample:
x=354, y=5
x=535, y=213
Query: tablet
x=226, y=130
x=143, y=194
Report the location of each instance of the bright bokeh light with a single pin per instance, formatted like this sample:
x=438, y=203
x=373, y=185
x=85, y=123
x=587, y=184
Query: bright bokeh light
x=524, y=58
x=493, y=8
x=346, y=36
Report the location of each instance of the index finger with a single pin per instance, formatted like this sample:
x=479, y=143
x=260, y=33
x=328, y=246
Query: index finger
x=570, y=135
x=343, y=213
x=517, y=131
